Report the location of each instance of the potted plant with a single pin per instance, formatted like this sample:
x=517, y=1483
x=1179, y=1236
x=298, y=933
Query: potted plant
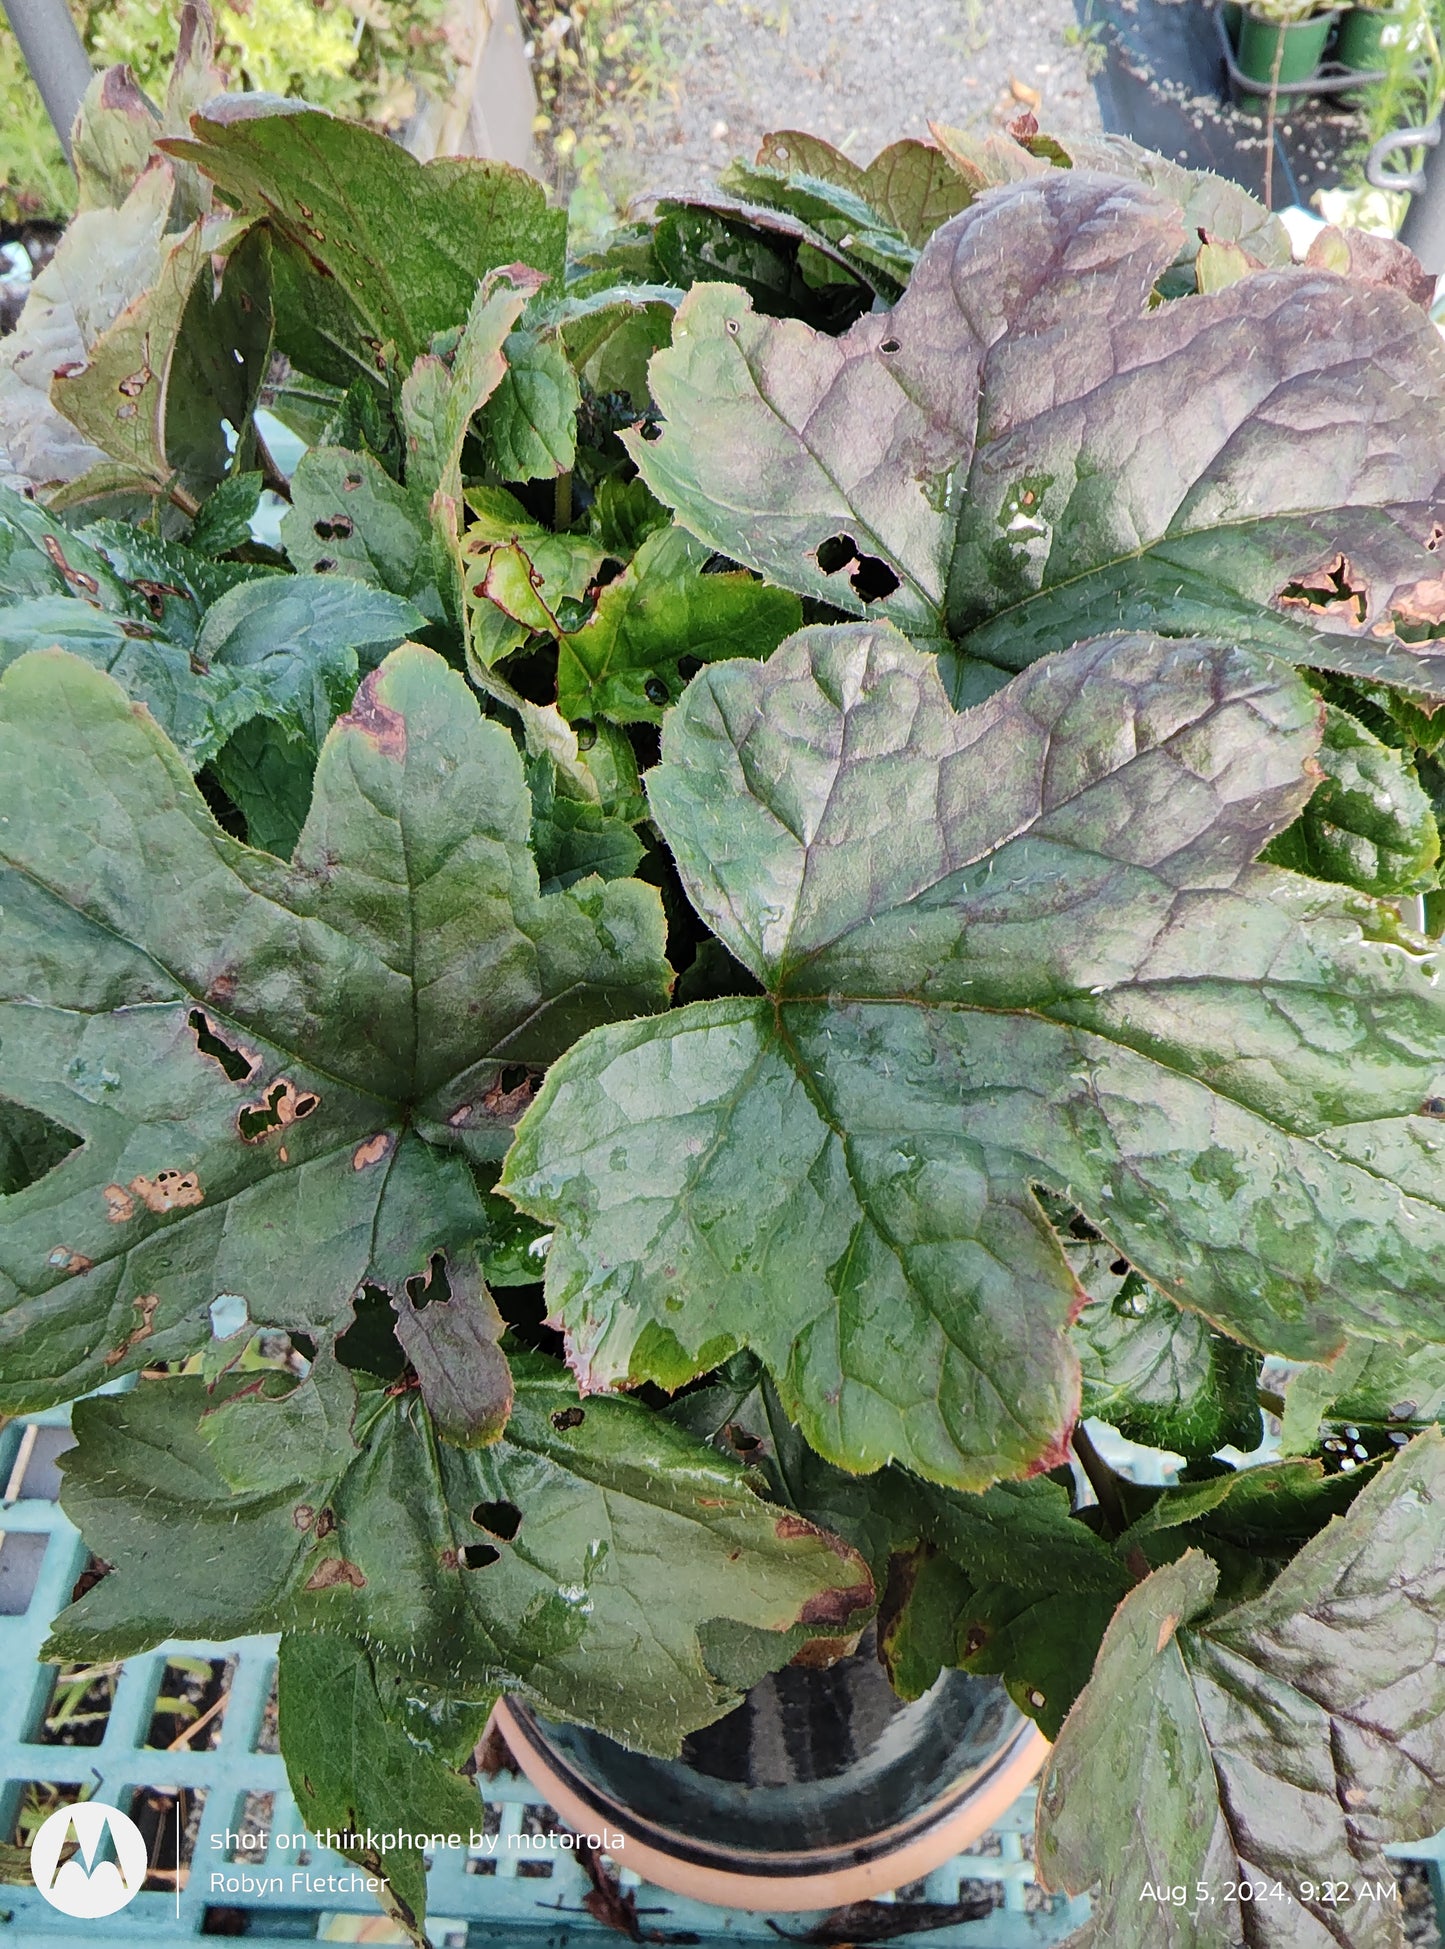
x=598, y=1241
x=1283, y=40
x=1370, y=32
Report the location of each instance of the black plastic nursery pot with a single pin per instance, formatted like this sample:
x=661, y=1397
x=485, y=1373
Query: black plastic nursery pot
x=1283, y=52
x=822, y=1788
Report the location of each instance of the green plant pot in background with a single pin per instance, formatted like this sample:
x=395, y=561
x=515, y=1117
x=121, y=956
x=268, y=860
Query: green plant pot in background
x=1233, y=15
x=1367, y=35
x=1303, y=46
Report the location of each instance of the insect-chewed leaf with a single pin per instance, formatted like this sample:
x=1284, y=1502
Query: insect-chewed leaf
x=1025, y=945
x=1280, y=1746
x=313, y=1044
x=573, y=1561
x=1028, y=449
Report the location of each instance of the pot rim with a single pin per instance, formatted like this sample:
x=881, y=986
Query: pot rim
x=782, y=1883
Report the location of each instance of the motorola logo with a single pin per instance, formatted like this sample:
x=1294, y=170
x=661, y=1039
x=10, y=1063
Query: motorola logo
x=88, y=1860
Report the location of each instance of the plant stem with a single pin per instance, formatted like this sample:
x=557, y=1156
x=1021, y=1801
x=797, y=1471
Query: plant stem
x=562, y=503
x=1102, y=1481
x=1270, y=118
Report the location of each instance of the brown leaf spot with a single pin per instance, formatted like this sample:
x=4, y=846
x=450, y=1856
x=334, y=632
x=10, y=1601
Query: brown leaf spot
x=1421, y=606
x=974, y=1641
x=135, y=383
x=169, y=1191
x=372, y=1151
x=325, y=1522
x=72, y=575
x=146, y=1306
x=791, y=1528
x=835, y=1607
x=566, y=1418
x=1167, y=1627
x=119, y=1205
x=1335, y=586
x=69, y=370
x=1356, y=1796
x=378, y=722
x=1433, y=1106
x=821, y=1654
x=510, y=1095
x=281, y=1104
x=303, y=1515
x=1024, y=126
x=155, y=594
x=336, y=1570
x=65, y=1258
x=450, y=1560
x=459, y=1116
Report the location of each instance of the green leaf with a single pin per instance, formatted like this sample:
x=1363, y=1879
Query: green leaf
x=224, y=521
x=294, y=1056
x=572, y=836
x=519, y=577
x=914, y=185
x=530, y=422
x=267, y=777
x=347, y=514
x=572, y=1561
x=1369, y=824
x=975, y=933
x=397, y=246
x=293, y=647
x=451, y=1339
x=1372, y=1382
x=856, y=229
x=352, y=1771
x=1164, y=1377
x=1280, y=1745
x=660, y=613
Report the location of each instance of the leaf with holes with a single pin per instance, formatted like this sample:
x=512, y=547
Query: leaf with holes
x=1028, y=449
x=1021, y=946
x=278, y=1069
x=1278, y=1745
x=657, y=622
x=348, y=514
x=528, y=1566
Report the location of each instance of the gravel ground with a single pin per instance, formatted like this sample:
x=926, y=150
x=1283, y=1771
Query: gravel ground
x=862, y=73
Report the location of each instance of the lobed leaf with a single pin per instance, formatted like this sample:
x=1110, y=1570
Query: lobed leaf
x=1021, y=946
x=573, y=1561
x=277, y=1069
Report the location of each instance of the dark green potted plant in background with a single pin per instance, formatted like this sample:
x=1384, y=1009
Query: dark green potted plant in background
x=1368, y=33
x=1283, y=40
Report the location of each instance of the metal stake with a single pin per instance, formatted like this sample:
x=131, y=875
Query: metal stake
x=55, y=56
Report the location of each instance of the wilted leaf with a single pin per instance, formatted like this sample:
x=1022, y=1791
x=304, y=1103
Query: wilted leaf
x=976, y=934
x=399, y=245
x=572, y=1561
x=660, y=619
x=106, y=260
x=1280, y=1745
x=310, y=1045
x=450, y=1338
x=521, y=579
